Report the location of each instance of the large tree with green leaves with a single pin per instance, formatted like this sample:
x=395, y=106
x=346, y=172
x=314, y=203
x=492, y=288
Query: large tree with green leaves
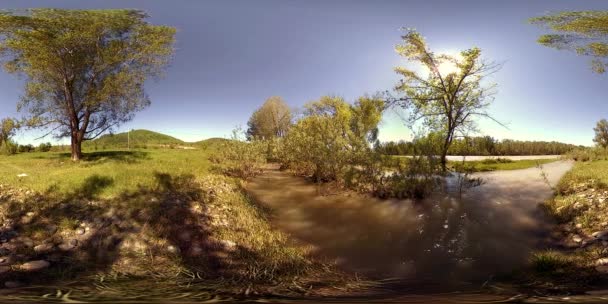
x=585, y=32
x=601, y=133
x=85, y=69
x=8, y=127
x=448, y=93
x=271, y=120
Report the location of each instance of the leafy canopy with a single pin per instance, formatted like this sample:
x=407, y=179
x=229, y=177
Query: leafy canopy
x=601, y=133
x=85, y=69
x=585, y=32
x=271, y=120
x=449, y=94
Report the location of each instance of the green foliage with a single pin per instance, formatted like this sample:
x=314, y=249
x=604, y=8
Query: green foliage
x=26, y=148
x=331, y=138
x=583, y=32
x=588, y=154
x=8, y=127
x=45, y=147
x=451, y=94
x=8, y=147
x=486, y=145
x=497, y=164
x=271, y=120
x=239, y=158
x=601, y=133
x=85, y=69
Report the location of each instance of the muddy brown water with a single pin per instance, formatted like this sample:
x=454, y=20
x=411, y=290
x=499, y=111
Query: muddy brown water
x=442, y=244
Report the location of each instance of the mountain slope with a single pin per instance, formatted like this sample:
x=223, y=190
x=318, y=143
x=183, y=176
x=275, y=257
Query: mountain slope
x=136, y=138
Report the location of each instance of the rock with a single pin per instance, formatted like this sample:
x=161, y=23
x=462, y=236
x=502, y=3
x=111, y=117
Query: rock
x=601, y=262
x=34, y=265
x=51, y=229
x=576, y=238
x=579, y=226
x=80, y=231
x=602, y=292
x=172, y=249
x=604, y=224
x=25, y=220
x=46, y=247
x=6, y=260
x=30, y=214
x=27, y=242
x=602, y=268
x=4, y=269
x=601, y=235
x=66, y=246
x=227, y=244
x=74, y=242
x=12, y=284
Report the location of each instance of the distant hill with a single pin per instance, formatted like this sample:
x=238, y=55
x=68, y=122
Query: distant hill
x=210, y=143
x=137, y=138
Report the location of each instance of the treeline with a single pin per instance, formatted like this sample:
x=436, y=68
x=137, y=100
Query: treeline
x=485, y=145
x=9, y=147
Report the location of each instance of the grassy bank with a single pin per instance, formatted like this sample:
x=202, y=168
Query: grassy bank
x=148, y=214
x=576, y=257
x=495, y=164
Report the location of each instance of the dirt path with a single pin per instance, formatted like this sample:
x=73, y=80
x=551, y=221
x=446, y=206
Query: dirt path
x=490, y=231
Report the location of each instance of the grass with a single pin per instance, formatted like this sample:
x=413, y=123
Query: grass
x=580, y=207
x=496, y=164
x=125, y=170
x=150, y=200
x=492, y=164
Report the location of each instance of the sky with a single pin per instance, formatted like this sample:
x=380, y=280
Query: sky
x=232, y=55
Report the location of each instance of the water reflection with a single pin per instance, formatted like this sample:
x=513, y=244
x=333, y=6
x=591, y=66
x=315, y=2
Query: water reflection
x=441, y=243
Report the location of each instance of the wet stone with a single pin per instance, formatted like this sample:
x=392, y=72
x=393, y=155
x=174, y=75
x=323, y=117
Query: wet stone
x=43, y=248
x=12, y=284
x=80, y=231
x=576, y=238
x=34, y=265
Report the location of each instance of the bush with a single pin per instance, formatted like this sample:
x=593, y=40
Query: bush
x=238, y=158
x=588, y=154
x=25, y=148
x=45, y=147
x=8, y=147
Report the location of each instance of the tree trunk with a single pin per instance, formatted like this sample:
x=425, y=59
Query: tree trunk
x=76, y=147
x=444, y=161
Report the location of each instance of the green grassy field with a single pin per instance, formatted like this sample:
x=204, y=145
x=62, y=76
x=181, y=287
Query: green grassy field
x=125, y=170
x=498, y=164
x=151, y=200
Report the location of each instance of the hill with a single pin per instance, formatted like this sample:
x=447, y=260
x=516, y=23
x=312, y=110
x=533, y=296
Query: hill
x=210, y=143
x=136, y=138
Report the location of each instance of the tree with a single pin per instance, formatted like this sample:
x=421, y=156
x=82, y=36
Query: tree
x=585, y=32
x=601, y=133
x=332, y=137
x=271, y=120
x=451, y=94
x=85, y=69
x=8, y=127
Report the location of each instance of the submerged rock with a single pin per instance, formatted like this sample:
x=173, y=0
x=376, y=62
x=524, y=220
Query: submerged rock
x=35, y=265
x=12, y=284
x=43, y=248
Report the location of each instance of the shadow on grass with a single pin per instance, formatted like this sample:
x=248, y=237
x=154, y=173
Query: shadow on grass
x=151, y=230
x=102, y=156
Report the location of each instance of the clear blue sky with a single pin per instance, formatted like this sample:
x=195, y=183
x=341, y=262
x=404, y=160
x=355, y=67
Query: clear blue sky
x=232, y=55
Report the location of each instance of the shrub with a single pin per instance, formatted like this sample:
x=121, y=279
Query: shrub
x=239, y=158
x=45, y=147
x=25, y=148
x=8, y=147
